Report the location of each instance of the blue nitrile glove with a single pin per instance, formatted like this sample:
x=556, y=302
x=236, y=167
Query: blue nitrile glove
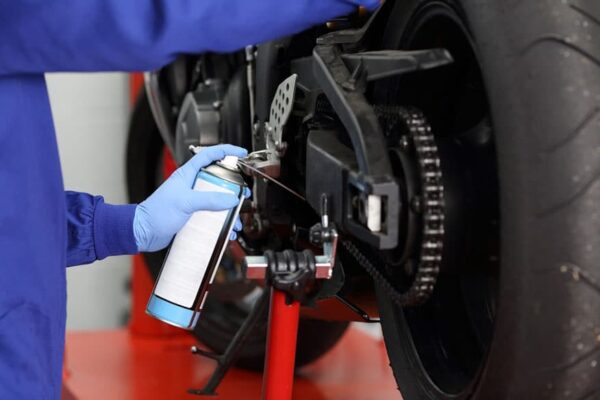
x=163, y=214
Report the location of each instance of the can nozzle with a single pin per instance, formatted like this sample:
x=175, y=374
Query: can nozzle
x=230, y=162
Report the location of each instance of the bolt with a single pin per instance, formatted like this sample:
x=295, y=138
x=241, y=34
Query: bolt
x=217, y=104
x=316, y=236
x=249, y=53
x=281, y=147
x=416, y=205
x=256, y=225
x=403, y=143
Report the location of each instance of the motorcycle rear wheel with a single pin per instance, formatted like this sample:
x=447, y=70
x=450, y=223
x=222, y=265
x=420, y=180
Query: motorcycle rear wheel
x=539, y=335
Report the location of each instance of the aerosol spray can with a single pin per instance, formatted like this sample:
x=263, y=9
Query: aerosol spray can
x=196, y=251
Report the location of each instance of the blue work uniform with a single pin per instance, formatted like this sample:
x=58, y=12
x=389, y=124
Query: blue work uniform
x=43, y=228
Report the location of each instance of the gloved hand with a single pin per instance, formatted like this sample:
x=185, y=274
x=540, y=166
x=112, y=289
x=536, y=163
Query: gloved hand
x=158, y=218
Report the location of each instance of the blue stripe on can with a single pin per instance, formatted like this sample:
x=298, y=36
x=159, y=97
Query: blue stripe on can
x=172, y=313
x=235, y=188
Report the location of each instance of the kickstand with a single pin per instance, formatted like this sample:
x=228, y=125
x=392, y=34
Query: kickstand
x=226, y=360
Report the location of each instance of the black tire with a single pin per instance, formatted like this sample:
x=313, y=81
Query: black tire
x=540, y=62
x=220, y=320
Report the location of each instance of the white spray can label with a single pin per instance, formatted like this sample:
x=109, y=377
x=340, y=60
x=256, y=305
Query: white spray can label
x=196, y=251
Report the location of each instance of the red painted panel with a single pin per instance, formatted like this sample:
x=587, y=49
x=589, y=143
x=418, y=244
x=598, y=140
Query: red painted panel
x=136, y=81
x=117, y=365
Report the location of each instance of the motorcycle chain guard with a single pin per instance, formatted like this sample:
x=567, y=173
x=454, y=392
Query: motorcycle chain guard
x=365, y=195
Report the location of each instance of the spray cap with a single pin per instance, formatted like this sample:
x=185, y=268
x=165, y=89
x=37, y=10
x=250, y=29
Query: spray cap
x=229, y=162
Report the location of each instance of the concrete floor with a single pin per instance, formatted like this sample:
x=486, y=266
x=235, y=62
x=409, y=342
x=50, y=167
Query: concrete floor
x=118, y=365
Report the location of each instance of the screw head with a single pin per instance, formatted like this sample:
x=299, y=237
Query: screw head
x=316, y=236
x=281, y=147
x=416, y=204
x=403, y=143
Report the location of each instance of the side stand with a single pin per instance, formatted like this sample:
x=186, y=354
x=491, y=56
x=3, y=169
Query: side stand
x=225, y=361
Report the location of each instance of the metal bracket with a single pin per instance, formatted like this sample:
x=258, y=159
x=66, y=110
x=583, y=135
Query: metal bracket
x=386, y=63
x=326, y=235
x=288, y=270
x=368, y=141
x=281, y=108
x=268, y=160
x=265, y=161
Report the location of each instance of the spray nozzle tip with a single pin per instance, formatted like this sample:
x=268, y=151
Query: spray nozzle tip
x=229, y=162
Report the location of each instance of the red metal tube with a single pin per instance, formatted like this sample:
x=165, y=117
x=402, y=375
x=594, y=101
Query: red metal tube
x=278, y=380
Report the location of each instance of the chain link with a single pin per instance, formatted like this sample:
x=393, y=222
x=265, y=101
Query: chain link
x=431, y=202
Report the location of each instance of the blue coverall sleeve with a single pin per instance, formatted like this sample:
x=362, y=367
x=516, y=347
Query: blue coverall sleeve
x=96, y=230
x=108, y=35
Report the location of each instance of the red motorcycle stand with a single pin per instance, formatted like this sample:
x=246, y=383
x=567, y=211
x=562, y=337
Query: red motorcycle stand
x=278, y=379
x=289, y=278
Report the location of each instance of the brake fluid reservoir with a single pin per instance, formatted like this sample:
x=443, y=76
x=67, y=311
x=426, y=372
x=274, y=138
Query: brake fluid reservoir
x=196, y=251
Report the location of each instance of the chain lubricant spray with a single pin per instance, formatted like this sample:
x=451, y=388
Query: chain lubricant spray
x=196, y=251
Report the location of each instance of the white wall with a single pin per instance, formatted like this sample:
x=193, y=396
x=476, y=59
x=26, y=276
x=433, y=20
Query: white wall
x=91, y=113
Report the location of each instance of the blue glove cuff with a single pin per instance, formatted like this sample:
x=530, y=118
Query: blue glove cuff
x=139, y=233
x=113, y=230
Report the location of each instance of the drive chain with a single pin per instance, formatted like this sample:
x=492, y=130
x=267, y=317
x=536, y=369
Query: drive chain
x=430, y=207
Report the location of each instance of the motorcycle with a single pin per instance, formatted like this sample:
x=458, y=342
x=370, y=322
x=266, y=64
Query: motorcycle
x=457, y=145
